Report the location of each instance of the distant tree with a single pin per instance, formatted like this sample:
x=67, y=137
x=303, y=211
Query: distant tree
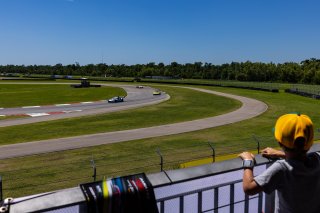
x=317, y=77
x=241, y=77
x=306, y=71
x=58, y=69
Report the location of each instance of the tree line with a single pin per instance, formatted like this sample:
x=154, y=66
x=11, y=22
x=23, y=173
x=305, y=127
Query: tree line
x=307, y=71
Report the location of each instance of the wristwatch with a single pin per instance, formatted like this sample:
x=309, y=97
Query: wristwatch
x=248, y=164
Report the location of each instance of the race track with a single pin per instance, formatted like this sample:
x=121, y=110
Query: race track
x=250, y=108
x=135, y=98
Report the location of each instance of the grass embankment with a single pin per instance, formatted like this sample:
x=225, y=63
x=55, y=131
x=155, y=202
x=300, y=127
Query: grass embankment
x=184, y=105
x=15, y=95
x=46, y=172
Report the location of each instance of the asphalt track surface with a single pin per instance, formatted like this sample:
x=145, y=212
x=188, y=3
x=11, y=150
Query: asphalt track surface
x=135, y=98
x=250, y=108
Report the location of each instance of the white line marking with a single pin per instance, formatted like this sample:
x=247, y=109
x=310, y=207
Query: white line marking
x=2, y=115
x=88, y=102
x=37, y=114
x=69, y=111
x=1, y=108
x=28, y=107
x=62, y=105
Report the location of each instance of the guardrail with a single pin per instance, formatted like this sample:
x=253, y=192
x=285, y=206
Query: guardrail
x=213, y=187
x=312, y=91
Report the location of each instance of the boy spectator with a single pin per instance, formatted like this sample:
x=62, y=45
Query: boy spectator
x=296, y=178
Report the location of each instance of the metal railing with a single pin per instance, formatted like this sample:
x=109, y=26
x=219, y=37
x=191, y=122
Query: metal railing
x=221, y=192
x=216, y=206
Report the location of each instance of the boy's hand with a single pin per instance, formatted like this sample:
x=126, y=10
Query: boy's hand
x=246, y=156
x=272, y=153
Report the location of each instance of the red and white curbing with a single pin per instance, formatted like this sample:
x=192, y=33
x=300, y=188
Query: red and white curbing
x=51, y=113
x=37, y=114
x=40, y=114
x=60, y=105
x=86, y=102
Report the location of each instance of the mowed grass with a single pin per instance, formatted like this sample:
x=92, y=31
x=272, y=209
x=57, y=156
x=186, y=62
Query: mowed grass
x=45, y=172
x=184, y=105
x=15, y=95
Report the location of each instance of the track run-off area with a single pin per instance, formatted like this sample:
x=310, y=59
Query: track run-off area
x=250, y=108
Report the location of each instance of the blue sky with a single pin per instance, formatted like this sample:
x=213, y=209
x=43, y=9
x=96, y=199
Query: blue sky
x=142, y=31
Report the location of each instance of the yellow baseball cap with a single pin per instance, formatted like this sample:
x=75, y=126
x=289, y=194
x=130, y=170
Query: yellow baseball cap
x=289, y=127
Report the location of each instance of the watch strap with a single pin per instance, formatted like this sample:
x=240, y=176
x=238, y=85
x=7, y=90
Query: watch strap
x=248, y=164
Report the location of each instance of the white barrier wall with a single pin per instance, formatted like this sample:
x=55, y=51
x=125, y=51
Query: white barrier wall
x=190, y=204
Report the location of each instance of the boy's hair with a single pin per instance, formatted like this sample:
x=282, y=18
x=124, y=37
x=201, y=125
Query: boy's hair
x=294, y=132
x=299, y=144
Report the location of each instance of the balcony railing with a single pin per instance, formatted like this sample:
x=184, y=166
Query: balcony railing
x=214, y=191
x=221, y=192
x=212, y=188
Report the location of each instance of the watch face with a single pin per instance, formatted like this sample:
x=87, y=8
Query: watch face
x=248, y=163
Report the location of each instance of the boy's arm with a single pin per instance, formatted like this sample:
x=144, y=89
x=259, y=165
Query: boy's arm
x=272, y=153
x=250, y=187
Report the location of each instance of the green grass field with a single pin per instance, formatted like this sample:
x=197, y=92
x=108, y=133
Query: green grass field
x=45, y=172
x=14, y=95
